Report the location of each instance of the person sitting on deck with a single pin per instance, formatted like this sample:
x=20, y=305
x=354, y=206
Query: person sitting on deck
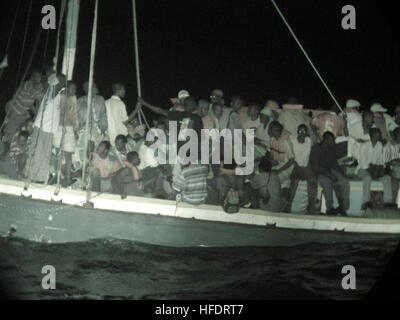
x=383, y=121
x=324, y=162
x=292, y=116
x=128, y=181
x=136, y=135
x=261, y=139
x=103, y=168
x=66, y=141
x=120, y=149
x=20, y=107
x=281, y=150
x=391, y=158
x=191, y=184
x=13, y=163
x=268, y=188
x=371, y=167
x=19, y=151
x=302, y=170
x=359, y=133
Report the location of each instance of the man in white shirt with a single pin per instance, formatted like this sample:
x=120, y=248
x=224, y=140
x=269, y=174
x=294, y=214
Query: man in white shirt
x=302, y=171
x=370, y=167
x=116, y=113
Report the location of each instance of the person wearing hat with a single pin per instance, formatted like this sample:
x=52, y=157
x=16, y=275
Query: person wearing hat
x=177, y=103
x=383, y=121
x=352, y=112
x=261, y=140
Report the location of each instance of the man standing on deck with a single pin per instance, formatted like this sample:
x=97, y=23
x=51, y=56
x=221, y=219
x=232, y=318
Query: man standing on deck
x=116, y=113
x=19, y=107
x=45, y=126
x=323, y=160
x=98, y=118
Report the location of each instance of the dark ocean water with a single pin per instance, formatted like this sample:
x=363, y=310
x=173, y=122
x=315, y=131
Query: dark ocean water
x=118, y=269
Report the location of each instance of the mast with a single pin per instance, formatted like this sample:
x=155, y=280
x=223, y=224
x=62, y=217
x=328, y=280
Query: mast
x=90, y=95
x=71, y=27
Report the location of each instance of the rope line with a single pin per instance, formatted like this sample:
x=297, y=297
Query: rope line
x=23, y=43
x=306, y=55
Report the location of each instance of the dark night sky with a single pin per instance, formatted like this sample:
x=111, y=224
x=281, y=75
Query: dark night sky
x=242, y=47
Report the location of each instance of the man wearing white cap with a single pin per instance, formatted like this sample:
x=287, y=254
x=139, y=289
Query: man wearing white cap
x=352, y=113
x=178, y=102
x=383, y=121
x=261, y=141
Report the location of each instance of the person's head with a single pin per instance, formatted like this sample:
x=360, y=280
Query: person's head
x=103, y=149
x=328, y=139
x=23, y=138
x=217, y=110
x=182, y=95
x=203, y=108
x=368, y=118
x=48, y=70
x=352, y=104
x=28, y=125
x=302, y=133
x=275, y=129
x=62, y=80
x=217, y=96
x=265, y=116
x=396, y=135
x=36, y=76
x=85, y=88
x=236, y=103
x=120, y=143
x=118, y=89
x=265, y=165
x=190, y=104
x=254, y=111
x=375, y=135
x=71, y=88
x=133, y=157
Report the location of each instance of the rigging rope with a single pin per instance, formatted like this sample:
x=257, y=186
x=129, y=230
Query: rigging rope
x=45, y=48
x=33, y=53
x=23, y=44
x=306, y=55
x=139, y=87
x=11, y=34
x=89, y=102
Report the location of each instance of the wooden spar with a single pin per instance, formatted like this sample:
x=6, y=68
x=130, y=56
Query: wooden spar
x=90, y=95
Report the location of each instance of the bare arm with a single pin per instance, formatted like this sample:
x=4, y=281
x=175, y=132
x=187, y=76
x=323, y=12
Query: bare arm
x=153, y=108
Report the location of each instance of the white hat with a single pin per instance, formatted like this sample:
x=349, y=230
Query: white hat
x=272, y=104
x=377, y=107
x=351, y=103
x=183, y=94
x=267, y=112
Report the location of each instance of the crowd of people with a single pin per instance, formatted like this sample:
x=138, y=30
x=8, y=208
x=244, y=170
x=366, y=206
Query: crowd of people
x=45, y=134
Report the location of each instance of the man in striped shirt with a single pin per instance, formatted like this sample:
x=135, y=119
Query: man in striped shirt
x=19, y=107
x=191, y=183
